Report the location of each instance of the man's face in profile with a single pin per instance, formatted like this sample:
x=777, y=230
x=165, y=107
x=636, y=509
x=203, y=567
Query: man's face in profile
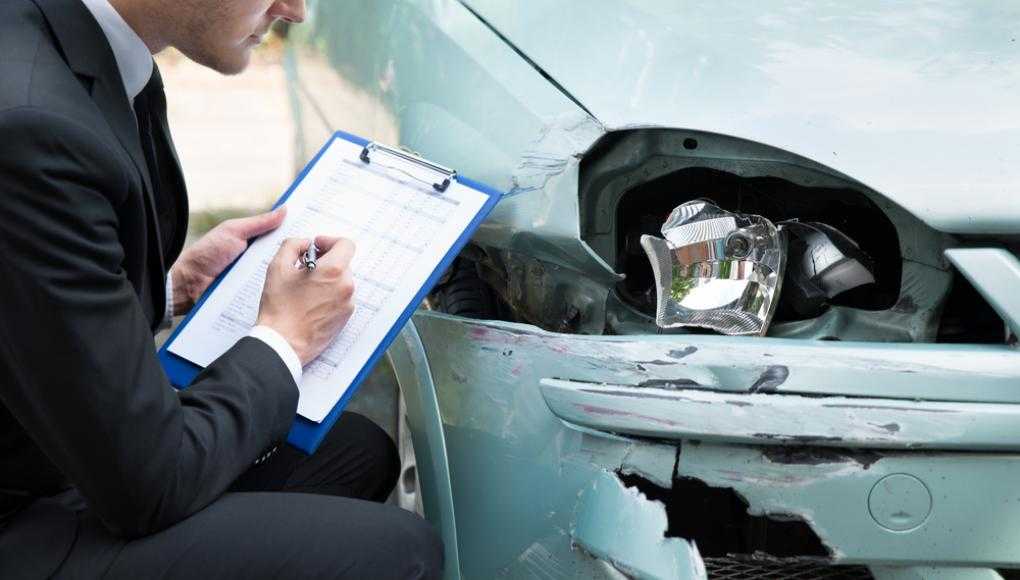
x=221, y=34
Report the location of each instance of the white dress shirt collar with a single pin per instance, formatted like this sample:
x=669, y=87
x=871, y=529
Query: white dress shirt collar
x=133, y=57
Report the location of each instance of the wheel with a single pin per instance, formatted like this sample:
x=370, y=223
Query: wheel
x=464, y=293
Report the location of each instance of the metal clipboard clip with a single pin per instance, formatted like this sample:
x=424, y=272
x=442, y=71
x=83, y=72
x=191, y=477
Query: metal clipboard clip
x=440, y=186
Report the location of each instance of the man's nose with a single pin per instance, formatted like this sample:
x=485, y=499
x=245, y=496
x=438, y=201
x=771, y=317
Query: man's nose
x=289, y=10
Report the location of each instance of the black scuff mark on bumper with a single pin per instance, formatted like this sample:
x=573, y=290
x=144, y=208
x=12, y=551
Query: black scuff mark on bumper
x=771, y=379
x=819, y=456
x=797, y=439
x=656, y=362
x=888, y=427
x=669, y=384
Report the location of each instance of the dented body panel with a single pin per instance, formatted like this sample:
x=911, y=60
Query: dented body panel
x=516, y=463
x=580, y=441
x=836, y=496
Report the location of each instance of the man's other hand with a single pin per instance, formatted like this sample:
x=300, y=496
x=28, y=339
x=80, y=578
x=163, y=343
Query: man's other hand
x=206, y=259
x=309, y=307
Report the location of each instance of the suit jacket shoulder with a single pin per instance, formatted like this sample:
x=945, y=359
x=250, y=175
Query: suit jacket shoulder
x=22, y=29
x=34, y=71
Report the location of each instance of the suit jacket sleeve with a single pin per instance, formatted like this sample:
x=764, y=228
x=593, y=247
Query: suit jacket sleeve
x=77, y=355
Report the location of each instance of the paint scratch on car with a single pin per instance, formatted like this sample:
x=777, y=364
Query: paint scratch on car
x=558, y=145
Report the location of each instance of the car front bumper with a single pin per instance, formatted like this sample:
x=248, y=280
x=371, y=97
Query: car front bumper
x=893, y=456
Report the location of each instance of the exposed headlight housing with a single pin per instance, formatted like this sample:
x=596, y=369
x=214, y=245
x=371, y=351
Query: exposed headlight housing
x=716, y=269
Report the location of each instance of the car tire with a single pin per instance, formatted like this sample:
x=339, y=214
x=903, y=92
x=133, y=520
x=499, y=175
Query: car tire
x=464, y=293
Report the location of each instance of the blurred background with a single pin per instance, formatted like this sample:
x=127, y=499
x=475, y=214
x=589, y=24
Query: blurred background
x=243, y=139
x=234, y=134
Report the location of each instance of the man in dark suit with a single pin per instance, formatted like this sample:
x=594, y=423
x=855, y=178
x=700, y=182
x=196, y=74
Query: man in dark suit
x=104, y=468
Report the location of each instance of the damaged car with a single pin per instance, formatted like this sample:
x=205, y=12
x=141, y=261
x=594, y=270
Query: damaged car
x=749, y=305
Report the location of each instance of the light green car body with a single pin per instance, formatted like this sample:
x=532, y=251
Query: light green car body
x=897, y=452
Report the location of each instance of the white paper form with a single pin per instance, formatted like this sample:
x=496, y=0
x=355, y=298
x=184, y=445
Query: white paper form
x=402, y=228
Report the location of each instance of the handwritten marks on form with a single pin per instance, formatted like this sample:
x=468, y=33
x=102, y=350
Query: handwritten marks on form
x=402, y=228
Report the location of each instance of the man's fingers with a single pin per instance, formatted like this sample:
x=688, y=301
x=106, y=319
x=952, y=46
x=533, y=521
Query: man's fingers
x=291, y=249
x=334, y=253
x=257, y=225
x=325, y=243
x=338, y=252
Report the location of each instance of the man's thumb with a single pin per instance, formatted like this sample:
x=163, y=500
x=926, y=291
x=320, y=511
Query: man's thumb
x=257, y=225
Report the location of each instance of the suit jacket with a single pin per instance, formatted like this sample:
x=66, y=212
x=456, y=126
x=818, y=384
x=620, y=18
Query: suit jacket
x=83, y=399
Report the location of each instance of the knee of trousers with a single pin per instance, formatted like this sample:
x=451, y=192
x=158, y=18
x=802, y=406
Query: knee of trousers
x=385, y=459
x=421, y=549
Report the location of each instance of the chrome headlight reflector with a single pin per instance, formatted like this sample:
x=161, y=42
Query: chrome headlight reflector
x=716, y=269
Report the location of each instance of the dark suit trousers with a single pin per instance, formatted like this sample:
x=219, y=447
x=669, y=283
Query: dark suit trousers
x=292, y=516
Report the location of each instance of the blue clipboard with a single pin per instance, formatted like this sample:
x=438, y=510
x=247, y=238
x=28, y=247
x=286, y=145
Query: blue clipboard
x=304, y=434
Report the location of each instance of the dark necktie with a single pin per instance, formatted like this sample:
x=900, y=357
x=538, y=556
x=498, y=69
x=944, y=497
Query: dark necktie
x=164, y=170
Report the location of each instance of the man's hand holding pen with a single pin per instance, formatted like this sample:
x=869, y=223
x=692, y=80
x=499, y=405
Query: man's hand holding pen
x=309, y=305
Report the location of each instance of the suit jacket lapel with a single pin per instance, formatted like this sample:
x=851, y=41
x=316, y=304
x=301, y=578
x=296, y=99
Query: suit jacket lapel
x=88, y=53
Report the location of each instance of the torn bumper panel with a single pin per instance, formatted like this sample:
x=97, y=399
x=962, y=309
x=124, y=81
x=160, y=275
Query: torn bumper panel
x=881, y=481
x=622, y=526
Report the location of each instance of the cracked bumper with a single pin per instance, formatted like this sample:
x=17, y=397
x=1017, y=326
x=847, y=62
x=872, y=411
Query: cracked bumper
x=532, y=423
x=857, y=422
